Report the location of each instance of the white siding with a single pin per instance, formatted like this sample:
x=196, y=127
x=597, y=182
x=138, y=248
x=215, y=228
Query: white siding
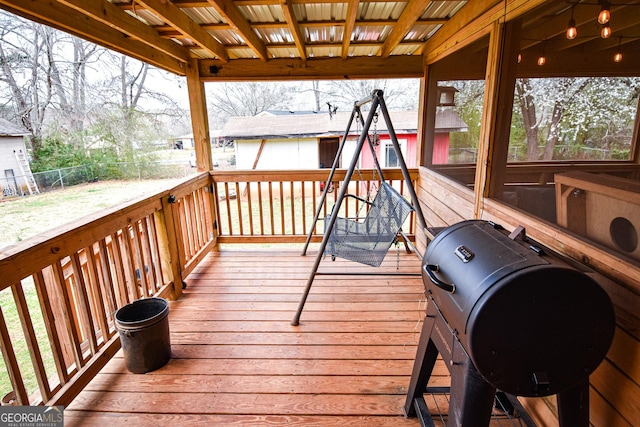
x=348, y=152
x=278, y=154
x=8, y=160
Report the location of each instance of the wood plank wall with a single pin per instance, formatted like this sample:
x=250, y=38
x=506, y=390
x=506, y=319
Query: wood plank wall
x=615, y=385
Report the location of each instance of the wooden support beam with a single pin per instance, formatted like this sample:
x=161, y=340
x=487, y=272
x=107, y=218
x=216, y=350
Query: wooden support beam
x=405, y=66
x=255, y=162
x=168, y=247
x=294, y=27
x=407, y=19
x=187, y=26
x=229, y=10
x=199, y=118
x=506, y=63
x=428, y=114
x=350, y=22
x=472, y=22
x=578, y=64
x=422, y=117
x=491, y=163
x=168, y=31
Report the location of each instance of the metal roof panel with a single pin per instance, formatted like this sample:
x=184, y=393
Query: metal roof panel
x=263, y=13
x=203, y=15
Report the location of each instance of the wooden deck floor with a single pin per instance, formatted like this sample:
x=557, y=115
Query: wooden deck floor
x=236, y=360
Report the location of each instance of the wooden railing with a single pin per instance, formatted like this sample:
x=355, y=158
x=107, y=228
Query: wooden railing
x=279, y=206
x=60, y=291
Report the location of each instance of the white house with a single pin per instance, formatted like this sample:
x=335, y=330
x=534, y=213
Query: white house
x=15, y=173
x=310, y=140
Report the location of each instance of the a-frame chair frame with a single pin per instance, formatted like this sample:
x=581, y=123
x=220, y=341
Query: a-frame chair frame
x=377, y=102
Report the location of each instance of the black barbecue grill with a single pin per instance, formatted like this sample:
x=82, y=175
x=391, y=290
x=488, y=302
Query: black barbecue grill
x=507, y=315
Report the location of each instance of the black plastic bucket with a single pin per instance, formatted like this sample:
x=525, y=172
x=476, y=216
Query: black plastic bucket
x=144, y=334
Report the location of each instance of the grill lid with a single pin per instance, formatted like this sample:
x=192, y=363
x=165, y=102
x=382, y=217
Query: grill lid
x=472, y=256
x=531, y=323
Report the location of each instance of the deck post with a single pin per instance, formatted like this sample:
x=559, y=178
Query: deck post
x=168, y=246
x=199, y=118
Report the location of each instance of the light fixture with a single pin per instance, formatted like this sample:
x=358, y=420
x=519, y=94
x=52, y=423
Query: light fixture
x=618, y=56
x=572, y=31
x=605, y=14
x=542, y=58
x=519, y=58
x=606, y=31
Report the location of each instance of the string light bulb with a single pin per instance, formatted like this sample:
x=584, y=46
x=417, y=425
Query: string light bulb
x=606, y=31
x=605, y=14
x=618, y=56
x=572, y=31
x=542, y=59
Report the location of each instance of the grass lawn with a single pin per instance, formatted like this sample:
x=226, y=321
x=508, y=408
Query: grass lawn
x=24, y=217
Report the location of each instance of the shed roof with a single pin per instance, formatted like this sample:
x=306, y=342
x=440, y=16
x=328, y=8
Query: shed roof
x=323, y=124
x=8, y=128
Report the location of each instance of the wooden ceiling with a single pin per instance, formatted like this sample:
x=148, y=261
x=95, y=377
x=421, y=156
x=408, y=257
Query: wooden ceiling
x=169, y=33
x=544, y=33
x=305, y=39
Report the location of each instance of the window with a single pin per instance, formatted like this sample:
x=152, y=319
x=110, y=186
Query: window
x=580, y=118
x=457, y=126
x=388, y=156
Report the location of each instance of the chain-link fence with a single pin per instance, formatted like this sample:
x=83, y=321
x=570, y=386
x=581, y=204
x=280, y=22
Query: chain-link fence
x=19, y=185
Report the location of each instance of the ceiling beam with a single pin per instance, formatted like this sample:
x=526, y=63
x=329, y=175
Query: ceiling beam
x=64, y=18
x=471, y=23
x=350, y=23
x=407, y=19
x=570, y=63
x=397, y=66
x=202, y=3
x=113, y=16
x=168, y=31
x=188, y=27
x=231, y=13
x=585, y=16
x=294, y=28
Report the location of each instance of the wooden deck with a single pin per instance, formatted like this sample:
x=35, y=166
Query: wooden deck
x=236, y=360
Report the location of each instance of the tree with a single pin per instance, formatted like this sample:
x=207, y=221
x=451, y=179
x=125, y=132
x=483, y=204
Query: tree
x=69, y=79
x=398, y=94
x=575, y=111
x=21, y=44
x=526, y=103
x=62, y=88
x=246, y=99
x=468, y=105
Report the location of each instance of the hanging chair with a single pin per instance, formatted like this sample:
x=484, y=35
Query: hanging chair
x=369, y=240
